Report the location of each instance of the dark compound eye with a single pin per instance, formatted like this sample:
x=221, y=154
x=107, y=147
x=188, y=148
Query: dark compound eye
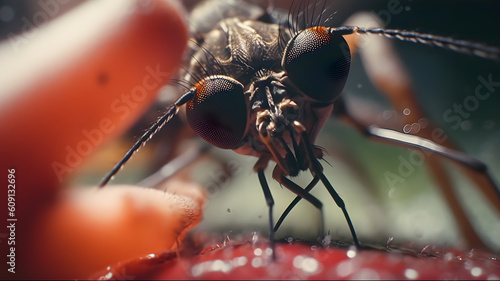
x=318, y=63
x=218, y=111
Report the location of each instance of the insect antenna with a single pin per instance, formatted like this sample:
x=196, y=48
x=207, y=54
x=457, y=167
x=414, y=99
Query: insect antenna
x=148, y=135
x=447, y=43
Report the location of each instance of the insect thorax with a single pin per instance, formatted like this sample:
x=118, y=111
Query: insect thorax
x=251, y=52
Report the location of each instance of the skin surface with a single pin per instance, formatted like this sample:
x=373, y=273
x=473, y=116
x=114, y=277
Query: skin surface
x=68, y=87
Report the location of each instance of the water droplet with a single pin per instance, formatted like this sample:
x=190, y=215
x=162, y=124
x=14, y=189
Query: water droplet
x=240, y=261
x=387, y=114
x=309, y=265
x=269, y=251
x=345, y=268
x=468, y=264
x=476, y=271
x=448, y=256
x=351, y=253
x=407, y=128
x=424, y=122
x=297, y=260
x=406, y=111
x=411, y=273
x=257, y=262
x=366, y=273
x=257, y=252
x=415, y=128
x=196, y=270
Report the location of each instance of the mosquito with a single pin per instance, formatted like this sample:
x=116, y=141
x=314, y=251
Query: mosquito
x=263, y=84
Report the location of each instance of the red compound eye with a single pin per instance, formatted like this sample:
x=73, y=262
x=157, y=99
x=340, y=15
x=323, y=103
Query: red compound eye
x=318, y=63
x=218, y=111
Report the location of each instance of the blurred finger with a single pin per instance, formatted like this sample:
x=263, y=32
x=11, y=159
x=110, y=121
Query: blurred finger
x=88, y=230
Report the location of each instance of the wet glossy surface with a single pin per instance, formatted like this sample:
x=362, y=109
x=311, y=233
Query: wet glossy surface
x=296, y=260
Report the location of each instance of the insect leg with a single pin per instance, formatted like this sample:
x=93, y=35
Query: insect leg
x=317, y=170
x=280, y=177
x=295, y=201
x=393, y=81
x=270, y=204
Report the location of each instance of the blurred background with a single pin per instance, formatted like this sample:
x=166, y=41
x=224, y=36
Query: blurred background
x=412, y=210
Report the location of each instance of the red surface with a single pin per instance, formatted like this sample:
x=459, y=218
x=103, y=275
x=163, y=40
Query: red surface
x=247, y=260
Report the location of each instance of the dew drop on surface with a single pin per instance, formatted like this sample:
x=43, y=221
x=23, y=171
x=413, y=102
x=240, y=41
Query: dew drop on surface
x=407, y=128
x=197, y=270
x=240, y=261
x=217, y=265
x=269, y=251
x=351, y=253
x=387, y=114
x=345, y=268
x=415, y=128
x=448, y=256
x=257, y=262
x=257, y=252
x=411, y=273
x=424, y=122
x=476, y=271
x=468, y=265
x=367, y=274
x=306, y=264
x=297, y=260
x=406, y=111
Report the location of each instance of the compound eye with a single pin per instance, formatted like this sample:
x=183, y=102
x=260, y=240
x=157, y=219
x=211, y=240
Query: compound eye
x=318, y=63
x=218, y=112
